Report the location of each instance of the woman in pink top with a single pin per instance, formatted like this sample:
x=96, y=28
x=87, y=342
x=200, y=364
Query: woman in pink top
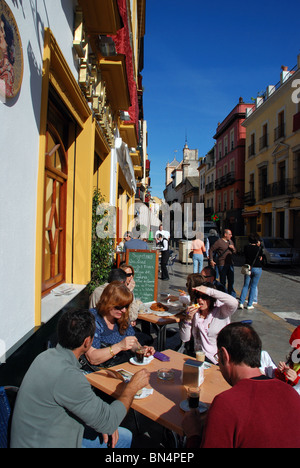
x=206, y=318
x=198, y=249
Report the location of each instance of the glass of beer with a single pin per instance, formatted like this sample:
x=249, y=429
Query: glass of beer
x=193, y=395
x=200, y=356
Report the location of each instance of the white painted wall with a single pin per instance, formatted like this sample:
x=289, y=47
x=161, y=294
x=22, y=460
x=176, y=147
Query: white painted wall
x=19, y=140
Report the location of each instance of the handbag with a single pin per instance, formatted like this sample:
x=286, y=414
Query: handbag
x=246, y=268
x=119, y=358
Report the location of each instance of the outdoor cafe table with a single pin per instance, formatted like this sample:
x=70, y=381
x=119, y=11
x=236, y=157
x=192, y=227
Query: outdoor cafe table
x=163, y=405
x=160, y=324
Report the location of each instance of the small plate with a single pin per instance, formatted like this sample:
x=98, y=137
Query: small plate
x=184, y=405
x=147, y=361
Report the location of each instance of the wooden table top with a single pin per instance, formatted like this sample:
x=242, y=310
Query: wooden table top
x=163, y=405
x=157, y=320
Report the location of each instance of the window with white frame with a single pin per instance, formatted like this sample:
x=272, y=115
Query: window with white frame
x=220, y=150
x=225, y=145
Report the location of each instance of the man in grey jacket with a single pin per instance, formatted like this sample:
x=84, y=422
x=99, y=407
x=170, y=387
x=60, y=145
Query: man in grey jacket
x=56, y=405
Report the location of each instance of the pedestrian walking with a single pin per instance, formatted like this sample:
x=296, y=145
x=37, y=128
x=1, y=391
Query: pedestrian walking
x=165, y=254
x=224, y=248
x=198, y=249
x=213, y=236
x=253, y=257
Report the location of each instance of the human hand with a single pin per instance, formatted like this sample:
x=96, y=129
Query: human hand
x=291, y=375
x=139, y=380
x=282, y=366
x=129, y=342
x=131, y=284
x=149, y=351
x=191, y=311
x=114, y=438
x=202, y=289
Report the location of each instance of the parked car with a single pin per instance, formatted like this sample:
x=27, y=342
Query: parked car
x=277, y=251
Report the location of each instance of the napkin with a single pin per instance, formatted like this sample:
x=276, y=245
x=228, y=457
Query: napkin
x=145, y=392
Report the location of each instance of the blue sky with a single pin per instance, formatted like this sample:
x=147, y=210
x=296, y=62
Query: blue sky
x=200, y=57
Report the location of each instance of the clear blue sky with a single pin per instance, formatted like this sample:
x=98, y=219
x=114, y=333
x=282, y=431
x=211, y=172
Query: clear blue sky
x=200, y=57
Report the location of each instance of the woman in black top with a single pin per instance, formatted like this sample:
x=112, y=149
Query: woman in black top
x=253, y=257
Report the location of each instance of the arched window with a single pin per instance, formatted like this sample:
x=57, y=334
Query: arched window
x=54, y=242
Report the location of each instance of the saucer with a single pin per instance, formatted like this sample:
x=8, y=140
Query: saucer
x=147, y=361
x=184, y=405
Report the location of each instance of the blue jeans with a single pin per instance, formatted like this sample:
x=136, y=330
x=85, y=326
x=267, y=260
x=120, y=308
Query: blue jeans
x=92, y=440
x=227, y=273
x=197, y=263
x=251, y=281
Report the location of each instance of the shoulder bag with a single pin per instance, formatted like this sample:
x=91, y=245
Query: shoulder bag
x=246, y=268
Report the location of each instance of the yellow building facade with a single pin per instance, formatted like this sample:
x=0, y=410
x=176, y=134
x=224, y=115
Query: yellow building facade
x=272, y=164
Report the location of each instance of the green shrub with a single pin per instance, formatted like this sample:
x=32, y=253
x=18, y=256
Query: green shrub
x=102, y=249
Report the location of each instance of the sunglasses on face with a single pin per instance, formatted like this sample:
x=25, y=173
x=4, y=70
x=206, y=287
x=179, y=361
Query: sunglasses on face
x=129, y=274
x=205, y=297
x=122, y=307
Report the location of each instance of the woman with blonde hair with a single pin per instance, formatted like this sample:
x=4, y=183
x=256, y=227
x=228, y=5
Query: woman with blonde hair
x=114, y=339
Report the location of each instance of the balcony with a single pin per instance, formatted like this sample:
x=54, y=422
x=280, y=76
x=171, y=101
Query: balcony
x=296, y=184
x=136, y=158
x=230, y=178
x=249, y=198
x=101, y=17
x=113, y=70
x=282, y=187
x=251, y=150
x=263, y=142
x=128, y=134
x=225, y=180
x=279, y=132
x=209, y=187
x=218, y=183
x=276, y=189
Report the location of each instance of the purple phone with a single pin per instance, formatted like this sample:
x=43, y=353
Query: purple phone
x=161, y=356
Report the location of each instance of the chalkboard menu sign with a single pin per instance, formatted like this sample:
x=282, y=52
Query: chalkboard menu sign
x=145, y=264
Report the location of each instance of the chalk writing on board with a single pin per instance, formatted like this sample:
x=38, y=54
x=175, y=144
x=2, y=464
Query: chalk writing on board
x=145, y=264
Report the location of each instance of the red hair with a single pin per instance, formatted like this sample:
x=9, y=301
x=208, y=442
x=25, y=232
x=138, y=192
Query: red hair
x=116, y=294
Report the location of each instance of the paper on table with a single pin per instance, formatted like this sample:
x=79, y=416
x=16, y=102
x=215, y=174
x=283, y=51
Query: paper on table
x=145, y=393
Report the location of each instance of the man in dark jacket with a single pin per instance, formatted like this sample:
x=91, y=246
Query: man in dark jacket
x=225, y=249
